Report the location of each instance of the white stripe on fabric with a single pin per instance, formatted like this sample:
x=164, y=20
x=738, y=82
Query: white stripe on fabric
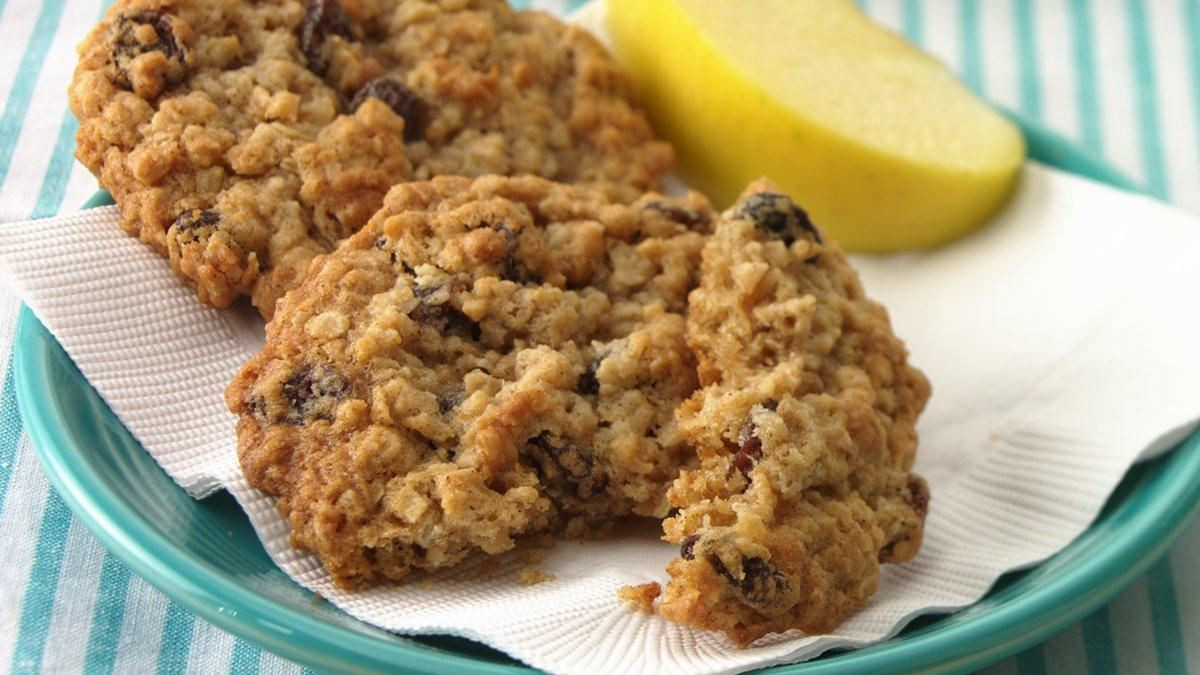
x=44, y=117
x=942, y=36
x=20, y=519
x=1129, y=614
x=1055, y=67
x=10, y=306
x=1176, y=105
x=999, y=52
x=1122, y=142
x=556, y=7
x=74, y=600
x=80, y=188
x=1185, y=557
x=888, y=13
x=141, y=628
x=211, y=649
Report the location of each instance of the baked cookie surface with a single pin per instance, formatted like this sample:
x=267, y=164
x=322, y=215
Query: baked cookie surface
x=486, y=359
x=804, y=427
x=242, y=139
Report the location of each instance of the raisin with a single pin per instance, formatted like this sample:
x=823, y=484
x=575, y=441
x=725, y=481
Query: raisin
x=762, y=587
x=511, y=268
x=402, y=102
x=127, y=45
x=588, y=385
x=312, y=393
x=919, y=499
x=749, y=449
x=779, y=216
x=749, y=446
x=566, y=467
x=687, y=549
x=322, y=19
x=443, y=316
x=258, y=406
x=192, y=220
x=449, y=400
x=679, y=214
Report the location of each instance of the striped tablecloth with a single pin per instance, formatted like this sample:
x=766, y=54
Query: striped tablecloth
x=1122, y=77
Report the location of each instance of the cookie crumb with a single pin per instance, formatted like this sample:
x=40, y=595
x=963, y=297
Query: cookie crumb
x=426, y=584
x=641, y=596
x=532, y=577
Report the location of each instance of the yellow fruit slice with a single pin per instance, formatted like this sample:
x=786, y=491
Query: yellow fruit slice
x=882, y=145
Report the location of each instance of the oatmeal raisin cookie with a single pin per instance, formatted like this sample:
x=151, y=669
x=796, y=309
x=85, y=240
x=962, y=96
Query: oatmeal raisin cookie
x=241, y=139
x=487, y=359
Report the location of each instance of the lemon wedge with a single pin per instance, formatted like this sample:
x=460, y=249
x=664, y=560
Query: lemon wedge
x=877, y=140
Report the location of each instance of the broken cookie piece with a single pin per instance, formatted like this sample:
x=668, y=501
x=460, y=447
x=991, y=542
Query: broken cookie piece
x=804, y=427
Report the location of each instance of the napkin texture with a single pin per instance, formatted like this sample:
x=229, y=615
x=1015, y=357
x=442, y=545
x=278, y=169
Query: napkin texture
x=1060, y=342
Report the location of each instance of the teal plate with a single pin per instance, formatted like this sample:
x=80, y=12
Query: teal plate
x=204, y=554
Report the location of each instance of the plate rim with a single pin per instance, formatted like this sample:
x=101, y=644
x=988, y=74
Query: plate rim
x=188, y=579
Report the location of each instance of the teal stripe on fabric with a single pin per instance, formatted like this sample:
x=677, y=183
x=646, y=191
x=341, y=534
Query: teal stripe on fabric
x=246, y=658
x=1191, y=33
x=54, y=184
x=1032, y=661
x=1030, y=95
x=1098, y=643
x=573, y=5
x=1087, y=85
x=1164, y=612
x=912, y=22
x=1146, y=99
x=107, y=616
x=43, y=585
x=176, y=640
x=10, y=428
x=970, y=40
x=21, y=93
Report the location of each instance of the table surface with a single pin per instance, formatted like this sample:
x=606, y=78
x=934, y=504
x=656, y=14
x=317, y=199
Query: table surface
x=1121, y=77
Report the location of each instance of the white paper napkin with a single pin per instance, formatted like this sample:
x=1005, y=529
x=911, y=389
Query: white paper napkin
x=1061, y=343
